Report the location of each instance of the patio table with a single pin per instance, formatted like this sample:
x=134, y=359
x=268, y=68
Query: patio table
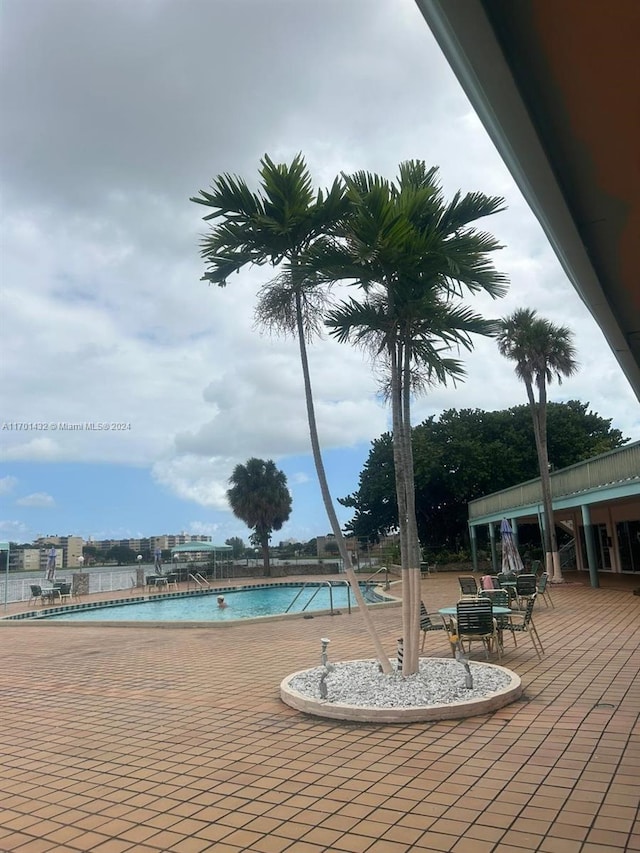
x=50, y=592
x=452, y=610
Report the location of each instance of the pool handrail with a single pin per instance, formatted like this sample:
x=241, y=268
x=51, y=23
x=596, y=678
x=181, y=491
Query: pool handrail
x=384, y=569
x=199, y=579
x=318, y=586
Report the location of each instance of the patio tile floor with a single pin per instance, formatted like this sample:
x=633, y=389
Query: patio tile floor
x=148, y=739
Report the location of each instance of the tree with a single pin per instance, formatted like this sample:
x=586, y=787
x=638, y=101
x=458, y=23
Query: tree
x=413, y=256
x=237, y=545
x=465, y=454
x=90, y=554
x=278, y=225
x=259, y=496
x=121, y=554
x=541, y=351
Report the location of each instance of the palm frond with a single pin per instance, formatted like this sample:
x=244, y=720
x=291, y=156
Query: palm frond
x=280, y=300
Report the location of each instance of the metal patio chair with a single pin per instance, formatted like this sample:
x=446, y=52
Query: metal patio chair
x=468, y=585
x=36, y=593
x=543, y=591
x=64, y=588
x=500, y=598
x=426, y=624
x=475, y=623
x=526, y=586
x=526, y=626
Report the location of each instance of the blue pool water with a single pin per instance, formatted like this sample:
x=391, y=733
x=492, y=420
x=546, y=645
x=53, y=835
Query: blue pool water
x=203, y=607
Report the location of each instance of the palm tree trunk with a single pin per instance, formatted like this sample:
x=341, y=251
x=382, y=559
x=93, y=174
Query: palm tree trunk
x=326, y=496
x=412, y=630
x=400, y=469
x=539, y=414
x=266, y=562
x=552, y=562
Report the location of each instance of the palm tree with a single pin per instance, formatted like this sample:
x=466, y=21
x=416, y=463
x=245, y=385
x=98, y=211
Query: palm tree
x=259, y=496
x=412, y=255
x=279, y=224
x=541, y=351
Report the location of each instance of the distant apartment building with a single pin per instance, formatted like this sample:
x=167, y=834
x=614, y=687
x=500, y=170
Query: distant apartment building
x=68, y=548
x=149, y=544
x=25, y=559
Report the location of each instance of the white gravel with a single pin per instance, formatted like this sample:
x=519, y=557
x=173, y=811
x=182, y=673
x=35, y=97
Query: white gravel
x=438, y=682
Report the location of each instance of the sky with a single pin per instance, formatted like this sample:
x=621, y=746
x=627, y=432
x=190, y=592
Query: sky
x=114, y=114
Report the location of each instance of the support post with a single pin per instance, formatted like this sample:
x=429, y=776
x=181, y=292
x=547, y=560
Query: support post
x=494, y=553
x=591, y=551
x=514, y=528
x=474, y=546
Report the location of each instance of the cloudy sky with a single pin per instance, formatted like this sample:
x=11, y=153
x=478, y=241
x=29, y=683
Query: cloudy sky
x=114, y=113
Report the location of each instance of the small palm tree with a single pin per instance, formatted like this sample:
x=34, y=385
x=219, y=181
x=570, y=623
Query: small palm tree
x=259, y=496
x=279, y=224
x=541, y=351
x=412, y=255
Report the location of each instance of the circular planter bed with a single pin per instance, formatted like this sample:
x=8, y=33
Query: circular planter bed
x=358, y=691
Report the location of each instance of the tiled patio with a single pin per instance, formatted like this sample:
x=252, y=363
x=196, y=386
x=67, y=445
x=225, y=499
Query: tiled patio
x=151, y=739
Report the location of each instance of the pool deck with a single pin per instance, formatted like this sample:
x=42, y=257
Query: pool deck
x=143, y=739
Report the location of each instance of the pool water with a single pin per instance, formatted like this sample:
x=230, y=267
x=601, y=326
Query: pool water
x=203, y=607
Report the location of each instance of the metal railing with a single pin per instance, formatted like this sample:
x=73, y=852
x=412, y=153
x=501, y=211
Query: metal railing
x=617, y=466
x=19, y=589
x=384, y=569
x=318, y=586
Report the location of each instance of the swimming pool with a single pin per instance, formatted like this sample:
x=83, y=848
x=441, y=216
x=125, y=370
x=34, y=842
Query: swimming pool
x=201, y=606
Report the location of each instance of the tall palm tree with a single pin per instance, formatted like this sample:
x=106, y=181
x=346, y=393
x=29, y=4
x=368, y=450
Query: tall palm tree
x=277, y=225
x=259, y=496
x=541, y=351
x=412, y=254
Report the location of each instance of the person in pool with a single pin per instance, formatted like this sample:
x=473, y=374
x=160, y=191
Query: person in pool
x=221, y=601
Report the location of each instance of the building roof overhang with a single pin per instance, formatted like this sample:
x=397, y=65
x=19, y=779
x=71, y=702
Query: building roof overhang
x=556, y=87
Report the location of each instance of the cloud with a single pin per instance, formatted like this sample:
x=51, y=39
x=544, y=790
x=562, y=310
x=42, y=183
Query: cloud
x=7, y=485
x=14, y=530
x=299, y=479
x=114, y=115
x=37, y=499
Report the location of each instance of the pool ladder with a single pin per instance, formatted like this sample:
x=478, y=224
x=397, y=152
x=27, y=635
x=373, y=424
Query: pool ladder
x=330, y=585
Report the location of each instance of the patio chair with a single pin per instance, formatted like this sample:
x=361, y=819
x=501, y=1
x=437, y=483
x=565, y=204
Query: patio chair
x=172, y=580
x=468, y=585
x=526, y=626
x=526, y=586
x=427, y=569
x=543, y=590
x=52, y=595
x=426, y=624
x=507, y=580
x=150, y=582
x=36, y=593
x=499, y=598
x=475, y=623
x=64, y=588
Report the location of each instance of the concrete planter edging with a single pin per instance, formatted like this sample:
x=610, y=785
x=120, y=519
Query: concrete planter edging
x=416, y=713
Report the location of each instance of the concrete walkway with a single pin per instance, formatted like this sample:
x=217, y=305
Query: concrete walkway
x=151, y=739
